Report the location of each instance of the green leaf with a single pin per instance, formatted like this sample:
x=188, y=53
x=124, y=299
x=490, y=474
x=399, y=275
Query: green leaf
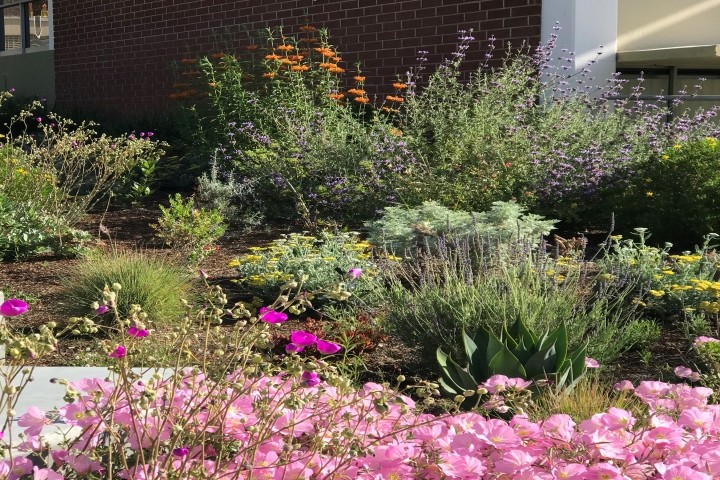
x=505, y=363
x=559, y=339
x=522, y=352
x=520, y=332
x=508, y=339
x=542, y=363
x=453, y=374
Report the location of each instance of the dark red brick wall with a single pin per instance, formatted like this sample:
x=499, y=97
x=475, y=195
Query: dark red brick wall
x=117, y=56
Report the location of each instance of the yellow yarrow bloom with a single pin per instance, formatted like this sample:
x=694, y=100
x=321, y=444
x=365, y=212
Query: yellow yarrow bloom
x=657, y=293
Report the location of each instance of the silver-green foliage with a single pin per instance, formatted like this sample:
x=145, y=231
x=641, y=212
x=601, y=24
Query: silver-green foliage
x=402, y=229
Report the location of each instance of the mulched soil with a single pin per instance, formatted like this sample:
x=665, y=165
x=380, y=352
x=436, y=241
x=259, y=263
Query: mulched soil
x=39, y=280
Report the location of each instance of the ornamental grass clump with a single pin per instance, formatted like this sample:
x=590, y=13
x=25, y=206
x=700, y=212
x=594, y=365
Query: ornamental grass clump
x=156, y=284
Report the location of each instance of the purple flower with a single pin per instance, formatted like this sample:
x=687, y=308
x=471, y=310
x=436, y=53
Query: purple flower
x=355, y=272
x=102, y=309
x=181, y=451
x=137, y=332
x=13, y=307
x=310, y=379
x=327, y=348
x=272, y=316
x=302, y=339
x=119, y=352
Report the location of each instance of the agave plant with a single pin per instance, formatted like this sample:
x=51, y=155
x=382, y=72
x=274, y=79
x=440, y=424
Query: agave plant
x=518, y=353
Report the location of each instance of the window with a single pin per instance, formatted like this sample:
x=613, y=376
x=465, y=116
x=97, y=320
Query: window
x=25, y=25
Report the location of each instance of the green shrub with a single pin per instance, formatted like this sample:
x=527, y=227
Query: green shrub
x=52, y=171
x=681, y=183
x=322, y=263
x=477, y=286
x=681, y=287
x=312, y=150
x=404, y=229
x=158, y=286
x=190, y=230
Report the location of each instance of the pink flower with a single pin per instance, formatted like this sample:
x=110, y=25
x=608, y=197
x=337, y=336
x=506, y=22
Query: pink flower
x=137, y=332
x=310, y=379
x=302, y=339
x=624, y=385
x=13, y=307
x=33, y=421
x=591, y=363
x=119, y=352
x=683, y=372
x=355, y=272
x=685, y=473
x=46, y=474
x=272, y=316
x=102, y=309
x=327, y=348
x=701, y=340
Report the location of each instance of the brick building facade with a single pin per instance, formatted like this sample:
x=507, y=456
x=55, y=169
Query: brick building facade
x=118, y=56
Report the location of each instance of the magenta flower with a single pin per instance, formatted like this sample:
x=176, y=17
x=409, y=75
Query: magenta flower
x=272, y=316
x=102, y=309
x=327, y=348
x=310, y=379
x=119, y=352
x=355, y=272
x=294, y=348
x=302, y=339
x=181, y=451
x=13, y=307
x=137, y=332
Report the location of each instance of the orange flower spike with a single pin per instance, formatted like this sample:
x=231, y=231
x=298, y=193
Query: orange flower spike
x=299, y=68
x=393, y=98
x=357, y=91
x=362, y=100
x=217, y=55
x=287, y=61
x=336, y=96
x=326, y=65
x=188, y=61
x=286, y=48
x=336, y=59
x=399, y=85
x=296, y=58
x=308, y=28
x=251, y=47
x=336, y=70
x=269, y=75
x=359, y=78
x=272, y=56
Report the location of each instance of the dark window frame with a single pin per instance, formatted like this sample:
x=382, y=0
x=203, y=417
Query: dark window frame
x=25, y=40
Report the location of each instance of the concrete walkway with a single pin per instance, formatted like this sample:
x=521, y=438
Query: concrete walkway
x=46, y=394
